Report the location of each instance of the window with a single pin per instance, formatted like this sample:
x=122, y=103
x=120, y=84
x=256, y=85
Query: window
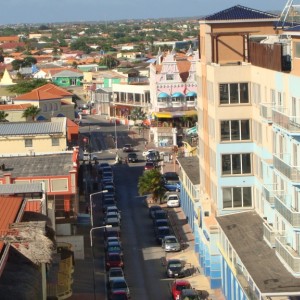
x=55, y=141
x=233, y=164
x=234, y=93
x=170, y=77
x=28, y=142
x=236, y=197
x=297, y=49
x=235, y=130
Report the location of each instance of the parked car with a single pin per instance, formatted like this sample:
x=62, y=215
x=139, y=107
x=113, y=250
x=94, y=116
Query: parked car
x=107, y=175
x=191, y=294
x=113, y=221
x=145, y=153
x=159, y=215
x=111, y=214
x=153, y=209
x=172, y=200
x=175, y=268
x=119, y=295
x=170, y=176
x=112, y=232
x=114, y=247
x=161, y=233
x=127, y=148
x=113, y=209
x=113, y=260
x=170, y=243
x=178, y=285
x=160, y=223
x=119, y=285
x=111, y=239
x=153, y=156
x=150, y=165
x=108, y=202
x=172, y=186
x=132, y=157
x=115, y=273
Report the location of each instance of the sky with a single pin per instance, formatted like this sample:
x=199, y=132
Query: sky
x=50, y=11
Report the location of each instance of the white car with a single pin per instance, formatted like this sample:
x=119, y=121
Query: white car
x=173, y=200
x=145, y=153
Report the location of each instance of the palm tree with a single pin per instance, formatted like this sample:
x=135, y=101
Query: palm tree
x=32, y=111
x=151, y=182
x=137, y=114
x=3, y=116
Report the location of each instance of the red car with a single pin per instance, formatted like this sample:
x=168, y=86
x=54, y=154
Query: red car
x=119, y=295
x=177, y=286
x=150, y=165
x=113, y=260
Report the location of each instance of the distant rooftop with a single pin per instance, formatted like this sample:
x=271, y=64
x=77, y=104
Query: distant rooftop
x=190, y=165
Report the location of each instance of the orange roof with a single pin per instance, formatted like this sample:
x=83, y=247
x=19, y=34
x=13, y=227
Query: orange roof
x=14, y=106
x=34, y=206
x=14, y=38
x=46, y=92
x=9, y=210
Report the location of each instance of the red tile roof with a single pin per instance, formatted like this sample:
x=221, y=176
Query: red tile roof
x=34, y=206
x=7, y=107
x=9, y=210
x=14, y=38
x=46, y=92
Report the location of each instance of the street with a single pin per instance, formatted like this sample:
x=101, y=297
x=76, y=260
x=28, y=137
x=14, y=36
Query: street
x=142, y=256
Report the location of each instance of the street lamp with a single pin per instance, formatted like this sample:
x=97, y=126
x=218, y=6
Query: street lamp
x=92, y=249
x=116, y=137
x=91, y=204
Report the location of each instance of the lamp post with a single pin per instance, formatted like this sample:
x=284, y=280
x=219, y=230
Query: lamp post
x=91, y=204
x=116, y=137
x=92, y=249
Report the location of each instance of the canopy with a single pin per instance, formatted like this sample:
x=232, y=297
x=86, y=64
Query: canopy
x=163, y=95
x=166, y=115
x=177, y=94
x=177, y=114
x=191, y=94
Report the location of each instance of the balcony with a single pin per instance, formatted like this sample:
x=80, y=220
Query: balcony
x=286, y=210
x=266, y=111
x=177, y=104
x=281, y=118
x=191, y=103
x=268, y=193
x=163, y=104
x=269, y=234
x=281, y=163
x=287, y=254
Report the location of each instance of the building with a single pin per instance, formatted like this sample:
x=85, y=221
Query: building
x=173, y=89
x=247, y=219
x=53, y=101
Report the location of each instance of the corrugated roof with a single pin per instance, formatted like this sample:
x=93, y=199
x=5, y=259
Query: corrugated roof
x=33, y=128
x=240, y=12
x=10, y=189
x=67, y=73
x=9, y=209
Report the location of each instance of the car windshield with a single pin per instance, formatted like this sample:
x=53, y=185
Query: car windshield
x=175, y=265
x=171, y=240
x=114, y=258
x=119, y=285
x=116, y=273
x=114, y=248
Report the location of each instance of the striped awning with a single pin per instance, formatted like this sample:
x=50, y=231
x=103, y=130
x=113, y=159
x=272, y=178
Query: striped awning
x=163, y=95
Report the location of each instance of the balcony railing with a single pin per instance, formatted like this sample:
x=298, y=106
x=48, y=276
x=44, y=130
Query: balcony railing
x=269, y=234
x=268, y=192
x=191, y=103
x=283, y=206
x=288, y=255
x=281, y=162
x=281, y=118
x=266, y=111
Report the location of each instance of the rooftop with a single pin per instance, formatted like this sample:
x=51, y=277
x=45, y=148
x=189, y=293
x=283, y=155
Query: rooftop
x=190, y=165
x=245, y=233
x=36, y=166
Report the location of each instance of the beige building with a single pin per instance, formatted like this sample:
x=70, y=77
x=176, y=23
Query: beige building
x=33, y=138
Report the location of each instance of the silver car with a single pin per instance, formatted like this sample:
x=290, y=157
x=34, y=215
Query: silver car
x=170, y=243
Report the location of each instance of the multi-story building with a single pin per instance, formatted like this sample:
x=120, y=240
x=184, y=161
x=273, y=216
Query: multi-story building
x=246, y=222
x=173, y=94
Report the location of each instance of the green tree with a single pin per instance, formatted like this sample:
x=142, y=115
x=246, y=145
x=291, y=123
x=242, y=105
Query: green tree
x=151, y=183
x=109, y=61
x=27, y=86
x=137, y=114
x=31, y=112
x=3, y=116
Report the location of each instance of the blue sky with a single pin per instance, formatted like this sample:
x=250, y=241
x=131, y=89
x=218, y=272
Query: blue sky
x=48, y=11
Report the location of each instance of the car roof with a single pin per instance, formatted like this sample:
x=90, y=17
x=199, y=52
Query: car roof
x=170, y=236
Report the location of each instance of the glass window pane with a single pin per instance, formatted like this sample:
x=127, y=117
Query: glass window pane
x=226, y=165
x=237, y=197
x=244, y=95
x=224, y=95
x=227, y=198
x=234, y=93
x=247, y=197
x=245, y=130
x=246, y=162
x=235, y=130
x=225, y=131
x=236, y=164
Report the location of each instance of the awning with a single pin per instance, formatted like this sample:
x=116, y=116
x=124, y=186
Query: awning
x=163, y=95
x=166, y=115
x=177, y=114
x=191, y=94
x=177, y=94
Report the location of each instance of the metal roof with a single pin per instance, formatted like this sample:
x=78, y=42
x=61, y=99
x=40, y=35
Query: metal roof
x=33, y=128
x=23, y=188
x=240, y=12
x=191, y=166
x=66, y=73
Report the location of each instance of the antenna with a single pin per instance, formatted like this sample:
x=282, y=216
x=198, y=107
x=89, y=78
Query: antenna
x=289, y=8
